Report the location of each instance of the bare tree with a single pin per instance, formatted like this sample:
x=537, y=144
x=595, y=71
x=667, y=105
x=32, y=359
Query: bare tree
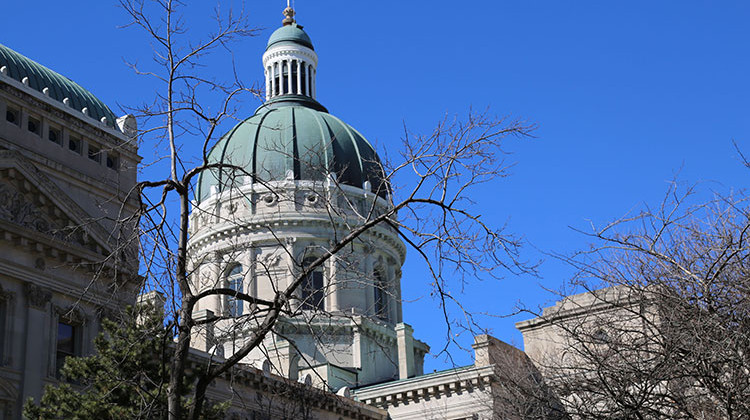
x=662, y=329
x=431, y=212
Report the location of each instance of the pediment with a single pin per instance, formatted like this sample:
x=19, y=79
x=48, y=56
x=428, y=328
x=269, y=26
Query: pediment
x=31, y=203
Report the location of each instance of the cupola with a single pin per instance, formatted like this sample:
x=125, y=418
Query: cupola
x=290, y=61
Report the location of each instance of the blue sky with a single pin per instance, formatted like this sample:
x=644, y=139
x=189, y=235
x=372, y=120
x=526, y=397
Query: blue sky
x=626, y=96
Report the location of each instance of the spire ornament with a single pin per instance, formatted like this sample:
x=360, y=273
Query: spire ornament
x=289, y=13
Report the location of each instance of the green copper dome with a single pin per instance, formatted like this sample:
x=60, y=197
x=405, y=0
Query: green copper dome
x=290, y=33
x=293, y=136
x=60, y=87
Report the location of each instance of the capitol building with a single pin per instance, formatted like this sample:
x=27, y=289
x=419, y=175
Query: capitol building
x=287, y=182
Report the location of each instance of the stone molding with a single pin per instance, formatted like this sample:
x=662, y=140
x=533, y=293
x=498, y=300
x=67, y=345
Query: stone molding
x=425, y=387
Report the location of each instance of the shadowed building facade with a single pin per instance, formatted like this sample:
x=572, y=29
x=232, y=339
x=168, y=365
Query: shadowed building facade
x=67, y=167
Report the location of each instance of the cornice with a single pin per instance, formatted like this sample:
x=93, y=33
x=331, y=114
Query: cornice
x=425, y=387
x=282, y=225
x=71, y=118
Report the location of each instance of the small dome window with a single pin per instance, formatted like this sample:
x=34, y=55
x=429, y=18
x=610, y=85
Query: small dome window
x=95, y=153
x=34, y=126
x=74, y=144
x=54, y=135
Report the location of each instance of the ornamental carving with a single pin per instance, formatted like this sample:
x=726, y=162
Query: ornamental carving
x=270, y=260
x=21, y=209
x=37, y=296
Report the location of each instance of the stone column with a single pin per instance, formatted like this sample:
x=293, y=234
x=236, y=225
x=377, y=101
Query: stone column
x=289, y=76
x=284, y=359
x=273, y=79
x=203, y=335
x=405, y=342
x=357, y=344
x=38, y=341
x=299, y=78
x=333, y=293
x=268, y=85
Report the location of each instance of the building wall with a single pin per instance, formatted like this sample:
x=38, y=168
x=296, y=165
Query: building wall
x=63, y=258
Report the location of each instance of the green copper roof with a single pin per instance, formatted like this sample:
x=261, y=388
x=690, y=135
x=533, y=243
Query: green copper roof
x=60, y=87
x=293, y=135
x=290, y=33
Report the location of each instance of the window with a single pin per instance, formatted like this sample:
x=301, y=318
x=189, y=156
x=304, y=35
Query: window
x=74, y=144
x=112, y=161
x=600, y=337
x=34, y=126
x=54, y=135
x=312, y=288
x=13, y=116
x=234, y=282
x=381, y=295
x=67, y=343
x=95, y=153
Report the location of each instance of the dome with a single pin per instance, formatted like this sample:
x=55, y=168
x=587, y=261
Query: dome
x=60, y=87
x=294, y=136
x=290, y=33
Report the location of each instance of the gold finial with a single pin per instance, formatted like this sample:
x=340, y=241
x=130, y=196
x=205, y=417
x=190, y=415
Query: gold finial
x=289, y=13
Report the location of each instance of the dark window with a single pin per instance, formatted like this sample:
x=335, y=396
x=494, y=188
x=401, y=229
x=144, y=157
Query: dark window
x=94, y=153
x=294, y=77
x=34, y=126
x=54, y=135
x=234, y=282
x=13, y=116
x=600, y=337
x=74, y=144
x=303, y=79
x=381, y=296
x=312, y=289
x=111, y=161
x=67, y=343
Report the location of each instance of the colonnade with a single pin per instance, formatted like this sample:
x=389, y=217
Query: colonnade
x=290, y=77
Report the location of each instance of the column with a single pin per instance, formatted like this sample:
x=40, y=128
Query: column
x=273, y=80
x=268, y=85
x=308, y=75
x=405, y=342
x=314, y=84
x=203, y=335
x=289, y=76
x=333, y=293
x=299, y=78
x=36, y=355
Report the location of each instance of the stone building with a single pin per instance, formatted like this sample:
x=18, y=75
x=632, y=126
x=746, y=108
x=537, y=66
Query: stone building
x=67, y=167
x=305, y=178
x=289, y=181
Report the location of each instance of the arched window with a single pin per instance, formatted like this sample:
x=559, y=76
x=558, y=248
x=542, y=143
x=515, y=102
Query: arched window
x=312, y=293
x=381, y=295
x=234, y=282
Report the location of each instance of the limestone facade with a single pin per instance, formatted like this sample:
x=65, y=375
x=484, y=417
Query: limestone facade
x=65, y=179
